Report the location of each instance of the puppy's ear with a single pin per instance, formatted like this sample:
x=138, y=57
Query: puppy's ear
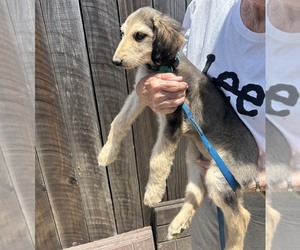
x=167, y=40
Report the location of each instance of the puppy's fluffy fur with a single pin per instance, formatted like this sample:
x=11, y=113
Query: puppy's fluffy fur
x=152, y=38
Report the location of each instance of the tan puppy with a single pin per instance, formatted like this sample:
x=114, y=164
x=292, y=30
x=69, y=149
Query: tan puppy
x=150, y=40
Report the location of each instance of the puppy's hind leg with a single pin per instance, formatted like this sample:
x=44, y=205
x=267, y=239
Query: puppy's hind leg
x=194, y=195
x=236, y=216
x=119, y=127
x=161, y=161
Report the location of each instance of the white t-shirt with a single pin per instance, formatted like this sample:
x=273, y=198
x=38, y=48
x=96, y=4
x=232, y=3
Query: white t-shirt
x=283, y=85
x=239, y=68
x=215, y=27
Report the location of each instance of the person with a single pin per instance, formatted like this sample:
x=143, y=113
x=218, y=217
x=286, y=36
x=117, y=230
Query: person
x=282, y=110
x=233, y=31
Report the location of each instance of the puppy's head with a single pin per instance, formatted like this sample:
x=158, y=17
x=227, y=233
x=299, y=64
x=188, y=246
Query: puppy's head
x=148, y=37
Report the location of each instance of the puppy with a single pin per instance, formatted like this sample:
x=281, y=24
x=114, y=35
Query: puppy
x=151, y=40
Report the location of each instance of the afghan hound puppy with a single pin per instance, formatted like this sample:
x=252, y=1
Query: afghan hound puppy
x=151, y=40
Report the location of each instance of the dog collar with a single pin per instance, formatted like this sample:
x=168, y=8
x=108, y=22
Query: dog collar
x=164, y=68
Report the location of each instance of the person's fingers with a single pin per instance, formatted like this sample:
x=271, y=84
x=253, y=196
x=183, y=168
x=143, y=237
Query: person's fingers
x=166, y=106
x=162, y=92
x=156, y=85
x=168, y=77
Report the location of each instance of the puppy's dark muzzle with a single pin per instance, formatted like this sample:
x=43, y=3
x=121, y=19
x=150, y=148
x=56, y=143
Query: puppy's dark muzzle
x=117, y=62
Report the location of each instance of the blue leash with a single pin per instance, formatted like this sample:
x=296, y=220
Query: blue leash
x=225, y=171
x=222, y=166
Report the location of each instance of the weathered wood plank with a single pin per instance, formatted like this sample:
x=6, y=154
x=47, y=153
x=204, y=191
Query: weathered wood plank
x=145, y=127
x=165, y=212
x=184, y=243
x=128, y=6
x=177, y=180
x=72, y=70
x=16, y=141
x=14, y=231
x=161, y=233
x=179, y=244
x=22, y=15
x=53, y=149
x=101, y=25
x=133, y=240
x=163, y=215
x=168, y=245
x=174, y=8
x=46, y=234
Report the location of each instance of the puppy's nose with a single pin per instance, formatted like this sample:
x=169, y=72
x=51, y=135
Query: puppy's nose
x=117, y=62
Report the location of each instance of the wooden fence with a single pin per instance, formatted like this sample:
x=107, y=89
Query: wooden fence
x=78, y=93
x=17, y=125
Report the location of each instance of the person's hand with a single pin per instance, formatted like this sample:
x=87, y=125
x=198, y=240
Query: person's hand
x=162, y=92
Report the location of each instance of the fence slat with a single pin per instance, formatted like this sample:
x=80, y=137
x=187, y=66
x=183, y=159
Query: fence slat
x=16, y=141
x=102, y=34
x=145, y=127
x=45, y=229
x=54, y=150
x=177, y=180
x=174, y=8
x=14, y=232
x=72, y=70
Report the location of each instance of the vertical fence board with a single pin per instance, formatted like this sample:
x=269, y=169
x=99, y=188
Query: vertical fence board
x=54, y=150
x=22, y=15
x=16, y=140
x=102, y=34
x=45, y=229
x=145, y=127
x=178, y=178
x=126, y=7
x=72, y=70
x=174, y=8
x=14, y=231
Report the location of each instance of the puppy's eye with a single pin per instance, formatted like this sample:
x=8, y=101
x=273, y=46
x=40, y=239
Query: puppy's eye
x=139, y=36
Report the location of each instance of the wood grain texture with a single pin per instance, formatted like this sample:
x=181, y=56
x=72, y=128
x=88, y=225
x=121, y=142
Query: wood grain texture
x=140, y=239
x=145, y=127
x=13, y=227
x=54, y=151
x=72, y=71
x=23, y=15
x=177, y=180
x=174, y=8
x=16, y=141
x=101, y=25
x=163, y=215
x=126, y=7
x=46, y=234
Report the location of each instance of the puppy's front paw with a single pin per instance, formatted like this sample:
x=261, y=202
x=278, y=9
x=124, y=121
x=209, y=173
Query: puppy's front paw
x=177, y=226
x=108, y=154
x=153, y=195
